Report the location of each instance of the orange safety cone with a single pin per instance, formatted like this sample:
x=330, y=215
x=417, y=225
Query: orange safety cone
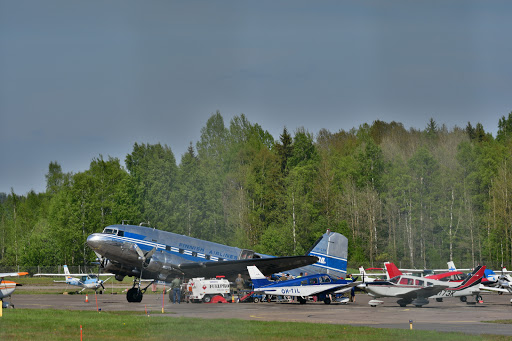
x=86, y=298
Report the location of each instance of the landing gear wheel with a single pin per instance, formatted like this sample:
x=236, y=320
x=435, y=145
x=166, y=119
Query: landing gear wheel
x=302, y=300
x=439, y=299
x=256, y=300
x=479, y=298
x=134, y=295
x=327, y=300
x=463, y=298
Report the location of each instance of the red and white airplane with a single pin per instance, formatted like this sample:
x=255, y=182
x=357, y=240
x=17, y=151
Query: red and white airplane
x=416, y=290
x=8, y=287
x=452, y=276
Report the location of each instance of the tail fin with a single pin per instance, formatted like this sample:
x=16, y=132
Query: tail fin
x=392, y=270
x=474, y=279
x=66, y=270
x=362, y=271
x=332, y=251
x=451, y=266
x=257, y=278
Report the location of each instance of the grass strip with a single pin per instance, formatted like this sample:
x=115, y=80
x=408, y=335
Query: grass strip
x=35, y=324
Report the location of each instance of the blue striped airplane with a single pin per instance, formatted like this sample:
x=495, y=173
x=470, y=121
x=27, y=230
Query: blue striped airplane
x=147, y=253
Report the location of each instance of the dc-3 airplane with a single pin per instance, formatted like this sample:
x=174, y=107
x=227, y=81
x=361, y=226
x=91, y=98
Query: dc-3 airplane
x=416, y=290
x=8, y=287
x=148, y=253
x=84, y=281
x=320, y=285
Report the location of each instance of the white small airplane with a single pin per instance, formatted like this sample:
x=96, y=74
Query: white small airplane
x=416, y=290
x=85, y=281
x=8, y=287
x=370, y=277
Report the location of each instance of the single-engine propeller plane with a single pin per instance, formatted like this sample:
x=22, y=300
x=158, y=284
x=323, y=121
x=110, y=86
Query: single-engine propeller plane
x=148, y=253
x=320, y=285
x=8, y=287
x=416, y=290
x=84, y=281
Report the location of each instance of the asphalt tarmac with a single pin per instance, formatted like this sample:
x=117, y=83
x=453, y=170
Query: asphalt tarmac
x=448, y=316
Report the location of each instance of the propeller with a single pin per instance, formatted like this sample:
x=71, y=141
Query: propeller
x=145, y=257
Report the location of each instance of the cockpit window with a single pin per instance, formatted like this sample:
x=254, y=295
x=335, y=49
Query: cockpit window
x=325, y=279
x=113, y=231
x=394, y=279
x=109, y=231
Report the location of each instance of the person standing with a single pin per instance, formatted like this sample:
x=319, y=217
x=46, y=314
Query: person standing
x=240, y=283
x=176, y=290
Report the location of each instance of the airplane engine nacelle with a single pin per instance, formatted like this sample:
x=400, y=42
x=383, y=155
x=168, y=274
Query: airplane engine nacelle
x=155, y=262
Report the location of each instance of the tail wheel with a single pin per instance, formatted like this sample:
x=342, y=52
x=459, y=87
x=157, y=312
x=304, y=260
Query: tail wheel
x=479, y=298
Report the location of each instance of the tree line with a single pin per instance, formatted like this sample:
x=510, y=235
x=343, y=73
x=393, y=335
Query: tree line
x=415, y=197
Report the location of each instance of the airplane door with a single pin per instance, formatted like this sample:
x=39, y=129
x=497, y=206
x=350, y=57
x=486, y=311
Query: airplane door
x=246, y=254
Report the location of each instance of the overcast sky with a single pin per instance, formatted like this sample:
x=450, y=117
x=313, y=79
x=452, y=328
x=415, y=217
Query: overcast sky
x=84, y=78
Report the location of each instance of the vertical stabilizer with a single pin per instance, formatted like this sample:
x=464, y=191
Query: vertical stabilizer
x=332, y=251
x=257, y=278
x=451, y=266
x=66, y=271
x=392, y=270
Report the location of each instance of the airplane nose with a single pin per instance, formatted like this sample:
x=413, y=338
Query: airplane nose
x=95, y=241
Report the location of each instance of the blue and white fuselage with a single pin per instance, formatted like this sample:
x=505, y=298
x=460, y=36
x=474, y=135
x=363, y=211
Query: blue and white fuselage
x=320, y=285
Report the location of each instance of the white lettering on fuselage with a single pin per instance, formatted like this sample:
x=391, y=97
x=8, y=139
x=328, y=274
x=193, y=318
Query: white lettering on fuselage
x=191, y=247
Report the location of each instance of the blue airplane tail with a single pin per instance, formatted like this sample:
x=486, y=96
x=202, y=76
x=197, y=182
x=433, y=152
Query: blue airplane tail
x=257, y=278
x=332, y=251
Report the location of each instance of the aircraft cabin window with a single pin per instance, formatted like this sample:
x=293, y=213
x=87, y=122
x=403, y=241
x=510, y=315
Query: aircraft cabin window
x=221, y=259
x=403, y=281
x=167, y=248
x=181, y=251
x=419, y=282
x=313, y=281
x=207, y=257
x=394, y=279
x=120, y=233
x=430, y=284
x=194, y=254
x=110, y=231
x=304, y=282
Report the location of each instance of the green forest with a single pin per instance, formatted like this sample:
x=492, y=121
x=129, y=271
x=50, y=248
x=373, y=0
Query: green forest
x=418, y=198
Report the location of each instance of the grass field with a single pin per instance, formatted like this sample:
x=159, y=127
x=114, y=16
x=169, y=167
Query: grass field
x=32, y=324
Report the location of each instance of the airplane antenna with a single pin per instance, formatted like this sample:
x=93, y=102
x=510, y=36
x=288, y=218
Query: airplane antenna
x=123, y=221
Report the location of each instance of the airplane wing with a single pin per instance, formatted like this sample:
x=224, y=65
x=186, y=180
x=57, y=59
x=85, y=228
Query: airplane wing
x=13, y=274
x=267, y=266
x=494, y=289
x=424, y=292
x=332, y=288
x=72, y=275
x=440, y=276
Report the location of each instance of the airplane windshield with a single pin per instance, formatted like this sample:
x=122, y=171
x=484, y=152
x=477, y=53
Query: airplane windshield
x=325, y=279
x=394, y=279
x=113, y=231
x=110, y=231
